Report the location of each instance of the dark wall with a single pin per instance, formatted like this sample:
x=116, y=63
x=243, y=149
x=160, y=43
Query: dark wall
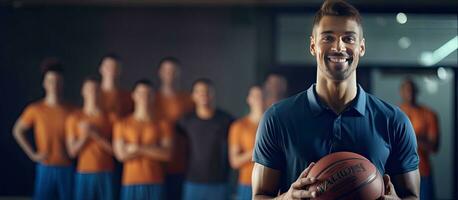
x=219, y=43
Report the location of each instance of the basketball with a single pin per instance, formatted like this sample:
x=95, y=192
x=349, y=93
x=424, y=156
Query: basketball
x=346, y=175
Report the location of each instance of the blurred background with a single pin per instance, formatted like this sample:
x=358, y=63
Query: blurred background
x=235, y=43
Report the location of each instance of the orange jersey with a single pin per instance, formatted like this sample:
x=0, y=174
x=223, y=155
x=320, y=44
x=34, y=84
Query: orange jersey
x=49, y=129
x=172, y=109
x=118, y=102
x=92, y=157
x=243, y=134
x=425, y=124
x=142, y=170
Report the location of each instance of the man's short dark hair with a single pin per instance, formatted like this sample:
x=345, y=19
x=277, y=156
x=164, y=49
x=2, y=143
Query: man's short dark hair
x=170, y=59
x=113, y=56
x=412, y=83
x=338, y=8
x=256, y=85
x=209, y=83
x=278, y=74
x=143, y=81
x=51, y=64
x=92, y=78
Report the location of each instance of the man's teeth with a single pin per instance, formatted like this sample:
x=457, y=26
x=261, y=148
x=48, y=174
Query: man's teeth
x=338, y=60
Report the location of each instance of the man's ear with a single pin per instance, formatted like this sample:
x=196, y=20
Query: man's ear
x=362, y=47
x=312, y=46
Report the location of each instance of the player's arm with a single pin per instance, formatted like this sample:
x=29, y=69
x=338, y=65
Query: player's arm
x=404, y=186
x=103, y=142
x=19, y=133
x=122, y=150
x=237, y=157
x=74, y=144
x=430, y=140
x=163, y=150
x=266, y=184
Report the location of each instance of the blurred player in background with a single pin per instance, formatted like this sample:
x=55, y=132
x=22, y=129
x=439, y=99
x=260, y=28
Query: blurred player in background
x=114, y=99
x=89, y=133
x=207, y=130
x=171, y=104
x=242, y=135
x=426, y=126
x=54, y=171
x=143, y=144
x=275, y=89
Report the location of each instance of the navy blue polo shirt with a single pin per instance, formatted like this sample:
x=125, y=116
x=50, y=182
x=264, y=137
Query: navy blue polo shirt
x=301, y=129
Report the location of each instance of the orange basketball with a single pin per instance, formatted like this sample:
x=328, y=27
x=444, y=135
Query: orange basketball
x=346, y=175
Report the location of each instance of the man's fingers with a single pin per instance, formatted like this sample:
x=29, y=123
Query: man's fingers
x=302, y=182
x=298, y=186
x=301, y=194
x=306, y=170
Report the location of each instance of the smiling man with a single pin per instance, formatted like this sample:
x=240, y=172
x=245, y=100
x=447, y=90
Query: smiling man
x=335, y=114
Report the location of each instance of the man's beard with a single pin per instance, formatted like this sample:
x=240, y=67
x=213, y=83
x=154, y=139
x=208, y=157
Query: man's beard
x=339, y=71
x=339, y=75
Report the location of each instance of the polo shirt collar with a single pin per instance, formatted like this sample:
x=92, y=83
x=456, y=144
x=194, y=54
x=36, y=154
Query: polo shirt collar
x=317, y=107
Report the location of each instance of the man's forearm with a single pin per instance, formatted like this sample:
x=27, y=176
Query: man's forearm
x=103, y=142
x=241, y=159
x=19, y=136
x=121, y=153
x=75, y=146
x=159, y=153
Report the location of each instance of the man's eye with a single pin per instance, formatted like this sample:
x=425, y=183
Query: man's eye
x=349, y=39
x=327, y=38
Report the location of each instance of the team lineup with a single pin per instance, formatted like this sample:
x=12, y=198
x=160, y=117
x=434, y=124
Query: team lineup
x=333, y=140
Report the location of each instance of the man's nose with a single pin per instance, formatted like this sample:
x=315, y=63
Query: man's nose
x=339, y=45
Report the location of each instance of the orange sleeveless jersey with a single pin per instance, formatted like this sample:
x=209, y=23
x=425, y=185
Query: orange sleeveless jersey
x=92, y=157
x=172, y=109
x=142, y=170
x=243, y=134
x=49, y=129
x=424, y=122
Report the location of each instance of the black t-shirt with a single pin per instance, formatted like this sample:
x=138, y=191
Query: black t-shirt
x=208, y=159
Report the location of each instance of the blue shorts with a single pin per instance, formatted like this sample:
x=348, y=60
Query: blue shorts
x=140, y=192
x=427, y=188
x=205, y=191
x=53, y=182
x=94, y=186
x=244, y=192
